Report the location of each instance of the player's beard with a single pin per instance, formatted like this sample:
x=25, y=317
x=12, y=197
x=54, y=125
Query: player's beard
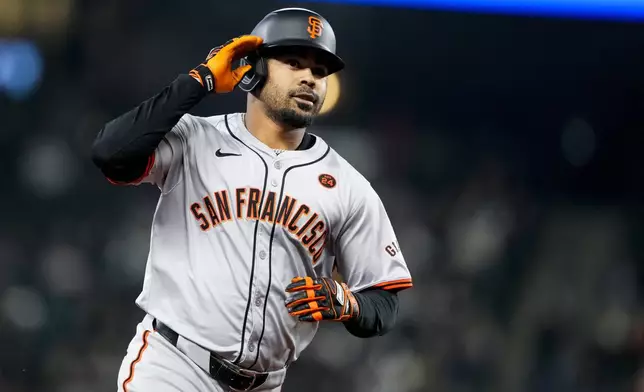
x=279, y=107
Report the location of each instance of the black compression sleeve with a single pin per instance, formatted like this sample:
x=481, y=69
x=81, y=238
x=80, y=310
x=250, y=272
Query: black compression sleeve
x=378, y=312
x=124, y=145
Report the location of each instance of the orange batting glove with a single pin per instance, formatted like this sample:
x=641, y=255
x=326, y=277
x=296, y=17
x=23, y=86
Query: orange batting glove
x=317, y=299
x=216, y=73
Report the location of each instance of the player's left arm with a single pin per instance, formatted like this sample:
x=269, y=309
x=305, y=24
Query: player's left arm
x=372, y=265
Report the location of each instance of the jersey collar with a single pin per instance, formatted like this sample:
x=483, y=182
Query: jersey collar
x=317, y=145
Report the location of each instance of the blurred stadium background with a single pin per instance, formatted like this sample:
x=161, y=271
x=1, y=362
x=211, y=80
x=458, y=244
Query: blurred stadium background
x=508, y=150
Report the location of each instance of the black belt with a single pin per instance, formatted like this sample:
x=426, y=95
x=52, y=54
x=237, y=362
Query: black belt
x=221, y=370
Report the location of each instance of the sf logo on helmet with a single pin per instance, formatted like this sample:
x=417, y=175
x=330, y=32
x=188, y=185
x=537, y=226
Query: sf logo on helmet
x=315, y=27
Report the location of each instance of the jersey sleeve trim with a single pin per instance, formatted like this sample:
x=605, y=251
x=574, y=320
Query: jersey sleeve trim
x=394, y=285
x=146, y=172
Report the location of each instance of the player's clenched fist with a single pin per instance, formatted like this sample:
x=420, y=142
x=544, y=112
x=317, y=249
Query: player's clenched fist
x=316, y=299
x=216, y=73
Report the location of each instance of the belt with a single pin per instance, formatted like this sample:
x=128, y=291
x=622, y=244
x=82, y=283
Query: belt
x=220, y=369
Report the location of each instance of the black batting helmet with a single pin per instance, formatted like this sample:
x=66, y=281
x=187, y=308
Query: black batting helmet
x=290, y=28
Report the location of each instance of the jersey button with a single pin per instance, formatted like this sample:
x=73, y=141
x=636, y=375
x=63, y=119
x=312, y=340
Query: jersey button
x=262, y=255
x=251, y=347
x=277, y=165
x=274, y=182
x=258, y=302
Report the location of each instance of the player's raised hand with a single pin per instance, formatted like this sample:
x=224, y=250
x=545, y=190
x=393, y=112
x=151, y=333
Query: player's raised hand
x=216, y=73
x=316, y=299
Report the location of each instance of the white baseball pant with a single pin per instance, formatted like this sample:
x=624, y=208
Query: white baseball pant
x=152, y=364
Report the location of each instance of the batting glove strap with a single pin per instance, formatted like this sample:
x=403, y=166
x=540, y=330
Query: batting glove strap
x=317, y=299
x=203, y=75
x=202, y=72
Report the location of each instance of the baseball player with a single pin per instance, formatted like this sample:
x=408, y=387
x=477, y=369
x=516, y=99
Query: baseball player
x=254, y=215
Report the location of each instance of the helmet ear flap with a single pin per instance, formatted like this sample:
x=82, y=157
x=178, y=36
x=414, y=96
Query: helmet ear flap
x=257, y=74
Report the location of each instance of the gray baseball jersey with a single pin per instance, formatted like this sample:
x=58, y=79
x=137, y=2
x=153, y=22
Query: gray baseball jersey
x=236, y=221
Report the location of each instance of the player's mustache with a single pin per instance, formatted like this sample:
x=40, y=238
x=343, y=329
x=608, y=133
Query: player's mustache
x=306, y=93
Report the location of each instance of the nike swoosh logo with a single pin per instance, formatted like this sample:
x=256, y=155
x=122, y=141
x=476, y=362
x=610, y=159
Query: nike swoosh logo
x=225, y=154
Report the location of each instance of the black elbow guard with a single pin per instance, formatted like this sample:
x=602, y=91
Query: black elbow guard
x=129, y=172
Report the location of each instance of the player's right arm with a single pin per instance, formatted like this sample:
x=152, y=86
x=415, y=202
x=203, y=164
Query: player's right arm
x=370, y=261
x=129, y=147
